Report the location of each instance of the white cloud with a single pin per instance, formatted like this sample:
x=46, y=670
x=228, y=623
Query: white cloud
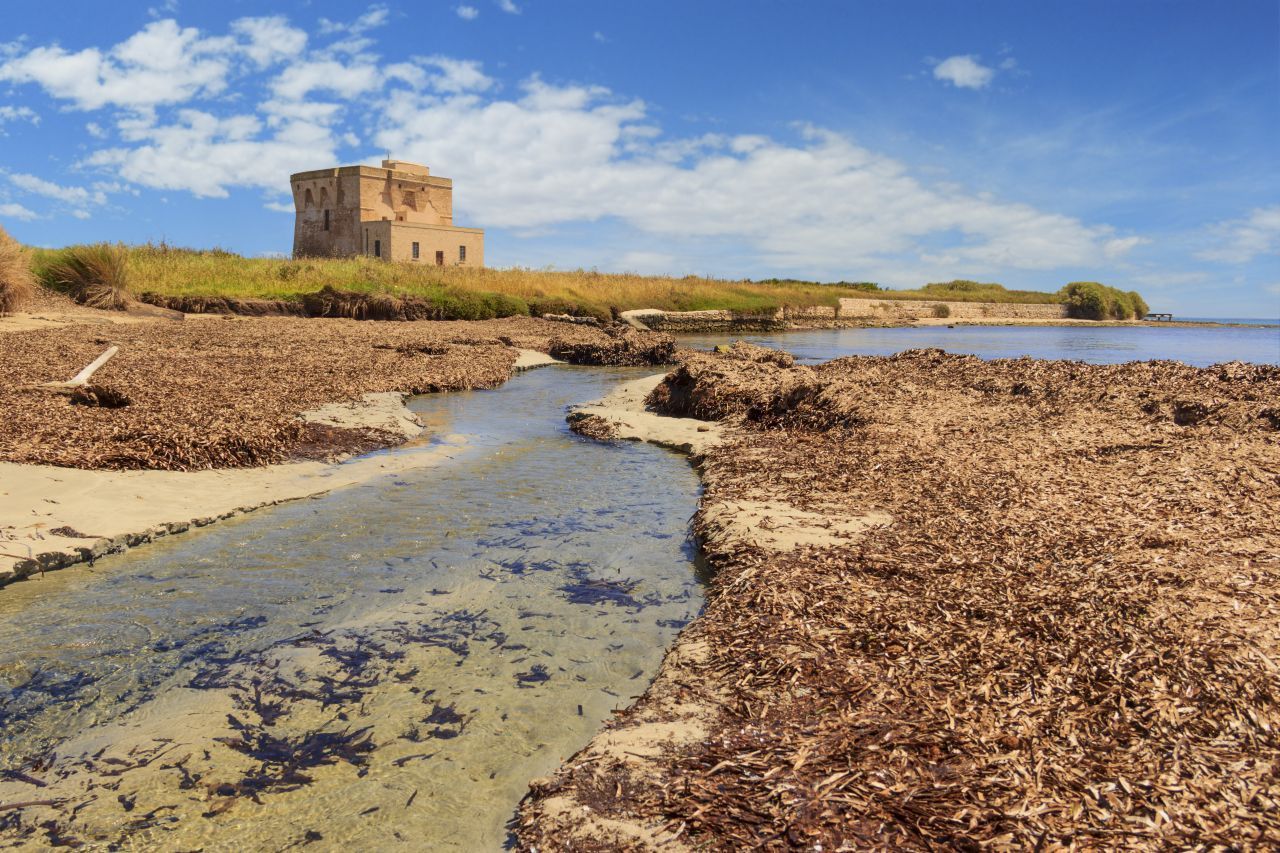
x=456, y=75
x=375, y=17
x=10, y=113
x=17, y=211
x=467, y=13
x=1121, y=246
x=269, y=40
x=964, y=72
x=205, y=154
x=566, y=154
x=77, y=196
x=543, y=157
x=159, y=65
x=600, y=37
x=509, y=7
x=326, y=75
x=1241, y=240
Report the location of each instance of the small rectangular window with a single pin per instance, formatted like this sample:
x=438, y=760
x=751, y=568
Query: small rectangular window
x=440, y=259
x=462, y=254
x=377, y=248
x=415, y=251
x=326, y=220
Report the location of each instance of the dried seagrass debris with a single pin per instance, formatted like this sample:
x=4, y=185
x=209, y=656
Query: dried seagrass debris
x=1066, y=638
x=622, y=346
x=226, y=393
x=593, y=426
x=103, y=396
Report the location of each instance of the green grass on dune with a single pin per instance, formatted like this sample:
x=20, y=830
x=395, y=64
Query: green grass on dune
x=174, y=272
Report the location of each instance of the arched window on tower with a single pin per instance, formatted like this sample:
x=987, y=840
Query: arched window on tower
x=308, y=200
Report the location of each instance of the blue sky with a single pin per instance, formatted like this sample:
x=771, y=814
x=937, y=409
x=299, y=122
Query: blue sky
x=905, y=142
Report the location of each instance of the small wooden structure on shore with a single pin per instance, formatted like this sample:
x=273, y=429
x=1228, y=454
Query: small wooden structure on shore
x=1159, y=317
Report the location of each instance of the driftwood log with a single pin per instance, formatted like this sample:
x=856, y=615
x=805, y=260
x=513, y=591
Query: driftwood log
x=82, y=378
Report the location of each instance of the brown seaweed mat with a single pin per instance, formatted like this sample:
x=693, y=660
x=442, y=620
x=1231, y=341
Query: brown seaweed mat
x=1067, y=638
x=227, y=392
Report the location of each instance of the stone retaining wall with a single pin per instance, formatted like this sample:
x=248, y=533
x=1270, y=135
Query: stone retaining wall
x=902, y=309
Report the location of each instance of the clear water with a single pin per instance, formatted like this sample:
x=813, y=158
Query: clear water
x=1100, y=345
x=387, y=664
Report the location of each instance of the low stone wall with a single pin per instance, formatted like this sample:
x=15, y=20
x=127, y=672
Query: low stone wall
x=915, y=309
x=848, y=312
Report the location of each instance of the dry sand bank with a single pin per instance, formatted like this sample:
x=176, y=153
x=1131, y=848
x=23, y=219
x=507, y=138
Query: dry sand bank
x=1057, y=625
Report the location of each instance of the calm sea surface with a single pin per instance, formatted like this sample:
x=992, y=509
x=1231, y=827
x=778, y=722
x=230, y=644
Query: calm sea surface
x=1101, y=345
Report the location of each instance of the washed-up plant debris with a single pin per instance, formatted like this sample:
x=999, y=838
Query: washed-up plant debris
x=227, y=393
x=1068, y=637
x=619, y=345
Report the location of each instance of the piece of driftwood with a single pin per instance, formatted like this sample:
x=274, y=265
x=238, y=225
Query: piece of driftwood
x=82, y=378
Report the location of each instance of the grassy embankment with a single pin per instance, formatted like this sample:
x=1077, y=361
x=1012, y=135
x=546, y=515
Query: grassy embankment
x=158, y=272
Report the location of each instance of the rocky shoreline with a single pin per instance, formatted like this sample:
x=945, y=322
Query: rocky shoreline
x=1043, y=608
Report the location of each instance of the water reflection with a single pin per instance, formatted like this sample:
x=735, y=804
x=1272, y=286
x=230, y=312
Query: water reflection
x=1097, y=345
x=388, y=663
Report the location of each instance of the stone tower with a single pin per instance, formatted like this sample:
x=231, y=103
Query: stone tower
x=398, y=212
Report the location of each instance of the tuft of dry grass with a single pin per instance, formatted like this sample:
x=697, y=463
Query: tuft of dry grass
x=95, y=275
x=17, y=285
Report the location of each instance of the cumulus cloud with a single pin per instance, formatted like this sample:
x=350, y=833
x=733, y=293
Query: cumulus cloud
x=10, y=113
x=1239, y=241
x=206, y=155
x=509, y=7
x=964, y=72
x=73, y=195
x=326, y=75
x=562, y=154
x=161, y=64
x=376, y=16
x=10, y=210
x=467, y=13
x=540, y=156
x=269, y=40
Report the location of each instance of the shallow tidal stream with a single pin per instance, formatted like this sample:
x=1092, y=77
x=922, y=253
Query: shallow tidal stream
x=388, y=664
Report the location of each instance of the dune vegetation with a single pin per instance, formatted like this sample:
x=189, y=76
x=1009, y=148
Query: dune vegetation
x=195, y=279
x=16, y=285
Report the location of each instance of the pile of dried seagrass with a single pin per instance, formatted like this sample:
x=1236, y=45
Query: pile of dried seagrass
x=619, y=346
x=227, y=393
x=1068, y=636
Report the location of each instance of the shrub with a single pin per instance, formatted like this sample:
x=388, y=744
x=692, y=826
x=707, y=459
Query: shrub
x=941, y=310
x=960, y=285
x=16, y=282
x=1092, y=300
x=506, y=305
x=96, y=275
x=1140, y=306
x=557, y=305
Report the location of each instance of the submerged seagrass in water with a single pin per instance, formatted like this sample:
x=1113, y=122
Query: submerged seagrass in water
x=390, y=663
